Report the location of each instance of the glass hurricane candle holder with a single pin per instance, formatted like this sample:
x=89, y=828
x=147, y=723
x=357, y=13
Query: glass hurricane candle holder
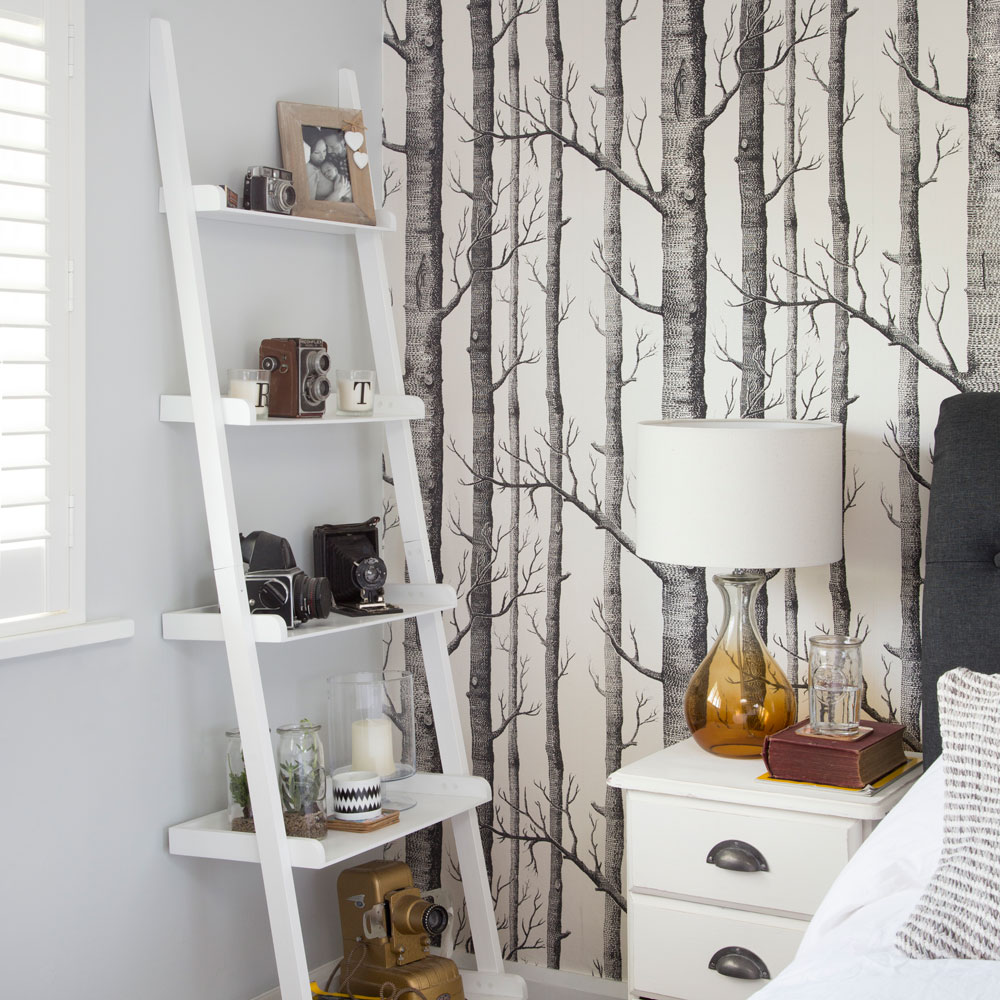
x=371, y=726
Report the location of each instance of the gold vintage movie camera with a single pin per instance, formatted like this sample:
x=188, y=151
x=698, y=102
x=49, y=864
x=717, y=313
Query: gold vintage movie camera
x=387, y=924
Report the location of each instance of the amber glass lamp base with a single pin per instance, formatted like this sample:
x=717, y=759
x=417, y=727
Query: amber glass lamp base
x=739, y=694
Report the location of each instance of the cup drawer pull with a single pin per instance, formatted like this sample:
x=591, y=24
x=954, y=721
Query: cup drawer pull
x=738, y=963
x=737, y=856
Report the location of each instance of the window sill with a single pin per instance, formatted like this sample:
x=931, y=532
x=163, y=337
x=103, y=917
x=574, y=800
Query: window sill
x=53, y=639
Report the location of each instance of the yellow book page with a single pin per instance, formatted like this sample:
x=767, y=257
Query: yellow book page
x=912, y=761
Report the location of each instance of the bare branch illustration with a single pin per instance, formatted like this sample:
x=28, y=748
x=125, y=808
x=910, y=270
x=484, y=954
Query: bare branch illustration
x=539, y=833
x=391, y=182
x=910, y=69
x=892, y=442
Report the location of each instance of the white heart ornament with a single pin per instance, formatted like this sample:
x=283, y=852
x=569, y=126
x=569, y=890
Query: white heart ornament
x=361, y=160
x=354, y=139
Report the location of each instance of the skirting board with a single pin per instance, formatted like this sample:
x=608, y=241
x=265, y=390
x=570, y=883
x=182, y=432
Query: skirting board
x=543, y=984
x=555, y=984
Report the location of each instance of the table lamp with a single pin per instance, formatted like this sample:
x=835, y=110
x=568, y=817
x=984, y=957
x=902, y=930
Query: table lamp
x=748, y=493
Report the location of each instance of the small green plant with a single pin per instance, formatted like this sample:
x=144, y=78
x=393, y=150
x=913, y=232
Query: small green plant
x=301, y=779
x=239, y=787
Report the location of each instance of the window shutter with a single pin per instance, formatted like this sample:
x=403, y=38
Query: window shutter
x=36, y=347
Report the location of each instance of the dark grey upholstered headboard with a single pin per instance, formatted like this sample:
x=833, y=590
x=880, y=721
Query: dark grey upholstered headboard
x=961, y=609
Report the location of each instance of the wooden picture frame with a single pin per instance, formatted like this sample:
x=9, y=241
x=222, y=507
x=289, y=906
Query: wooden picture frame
x=327, y=152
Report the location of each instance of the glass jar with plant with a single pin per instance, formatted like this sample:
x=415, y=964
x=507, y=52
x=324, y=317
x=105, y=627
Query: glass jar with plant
x=238, y=789
x=302, y=779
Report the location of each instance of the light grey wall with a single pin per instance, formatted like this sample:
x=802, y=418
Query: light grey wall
x=101, y=749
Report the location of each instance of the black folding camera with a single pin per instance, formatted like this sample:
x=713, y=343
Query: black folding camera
x=300, y=376
x=268, y=189
x=347, y=555
x=276, y=586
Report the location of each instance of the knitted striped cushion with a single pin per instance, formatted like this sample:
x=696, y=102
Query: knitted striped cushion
x=958, y=915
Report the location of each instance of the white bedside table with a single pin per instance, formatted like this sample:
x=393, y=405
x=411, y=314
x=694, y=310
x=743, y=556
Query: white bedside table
x=724, y=871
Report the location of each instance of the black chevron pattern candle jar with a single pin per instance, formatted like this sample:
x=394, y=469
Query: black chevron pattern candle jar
x=357, y=795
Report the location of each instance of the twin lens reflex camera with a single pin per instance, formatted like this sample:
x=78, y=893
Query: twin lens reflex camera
x=300, y=376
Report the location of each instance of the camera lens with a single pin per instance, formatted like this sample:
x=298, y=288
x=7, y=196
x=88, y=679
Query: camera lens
x=435, y=920
x=369, y=573
x=313, y=597
x=316, y=389
x=411, y=914
x=317, y=362
x=284, y=194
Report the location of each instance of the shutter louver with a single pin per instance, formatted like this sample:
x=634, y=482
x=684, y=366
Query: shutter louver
x=25, y=308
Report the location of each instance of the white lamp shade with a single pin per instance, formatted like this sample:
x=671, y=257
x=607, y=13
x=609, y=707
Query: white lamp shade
x=739, y=493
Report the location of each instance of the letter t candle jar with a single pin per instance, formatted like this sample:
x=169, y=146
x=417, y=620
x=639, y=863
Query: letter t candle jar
x=371, y=727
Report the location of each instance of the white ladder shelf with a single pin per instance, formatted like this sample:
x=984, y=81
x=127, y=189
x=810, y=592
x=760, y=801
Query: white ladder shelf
x=452, y=796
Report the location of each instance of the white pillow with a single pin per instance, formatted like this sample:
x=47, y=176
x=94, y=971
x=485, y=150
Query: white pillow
x=958, y=915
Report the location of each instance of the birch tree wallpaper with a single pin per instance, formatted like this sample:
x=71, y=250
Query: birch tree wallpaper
x=618, y=210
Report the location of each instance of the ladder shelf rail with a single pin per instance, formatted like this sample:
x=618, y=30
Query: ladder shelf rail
x=183, y=204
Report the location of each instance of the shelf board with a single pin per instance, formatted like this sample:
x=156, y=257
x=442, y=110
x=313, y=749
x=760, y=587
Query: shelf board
x=210, y=203
x=239, y=413
x=205, y=623
x=439, y=797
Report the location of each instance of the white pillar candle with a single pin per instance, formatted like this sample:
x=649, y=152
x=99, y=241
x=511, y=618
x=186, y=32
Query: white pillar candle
x=371, y=746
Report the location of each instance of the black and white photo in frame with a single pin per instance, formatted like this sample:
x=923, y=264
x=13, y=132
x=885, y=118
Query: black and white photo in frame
x=325, y=150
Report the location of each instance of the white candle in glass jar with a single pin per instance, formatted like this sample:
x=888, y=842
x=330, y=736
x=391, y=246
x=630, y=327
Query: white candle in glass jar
x=371, y=746
x=250, y=384
x=355, y=392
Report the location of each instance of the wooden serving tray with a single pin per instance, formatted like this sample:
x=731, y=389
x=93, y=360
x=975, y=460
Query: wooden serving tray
x=388, y=817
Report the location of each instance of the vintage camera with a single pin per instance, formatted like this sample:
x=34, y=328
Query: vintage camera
x=276, y=586
x=347, y=555
x=382, y=912
x=268, y=189
x=300, y=376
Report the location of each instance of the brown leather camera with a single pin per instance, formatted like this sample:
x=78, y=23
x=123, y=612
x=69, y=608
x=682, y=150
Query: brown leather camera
x=300, y=376
x=387, y=926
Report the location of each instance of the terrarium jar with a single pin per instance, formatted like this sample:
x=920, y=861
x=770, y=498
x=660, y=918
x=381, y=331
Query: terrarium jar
x=835, y=685
x=739, y=694
x=302, y=779
x=239, y=807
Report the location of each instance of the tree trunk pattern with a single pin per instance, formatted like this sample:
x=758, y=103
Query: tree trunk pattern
x=684, y=240
x=480, y=692
x=983, y=199
x=614, y=478
x=422, y=52
x=841, y=230
x=680, y=202
x=753, y=206
x=791, y=227
x=554, y=570
x=753, y=225
x=514, y=541
x=908, y=417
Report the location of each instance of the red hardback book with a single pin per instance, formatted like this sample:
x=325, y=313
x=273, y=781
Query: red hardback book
x=793, y=756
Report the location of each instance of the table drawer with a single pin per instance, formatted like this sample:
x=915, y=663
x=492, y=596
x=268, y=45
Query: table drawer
x=798, y=854
x=673, y=945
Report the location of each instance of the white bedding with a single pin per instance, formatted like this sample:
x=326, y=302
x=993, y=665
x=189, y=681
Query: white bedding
x=848, y=949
